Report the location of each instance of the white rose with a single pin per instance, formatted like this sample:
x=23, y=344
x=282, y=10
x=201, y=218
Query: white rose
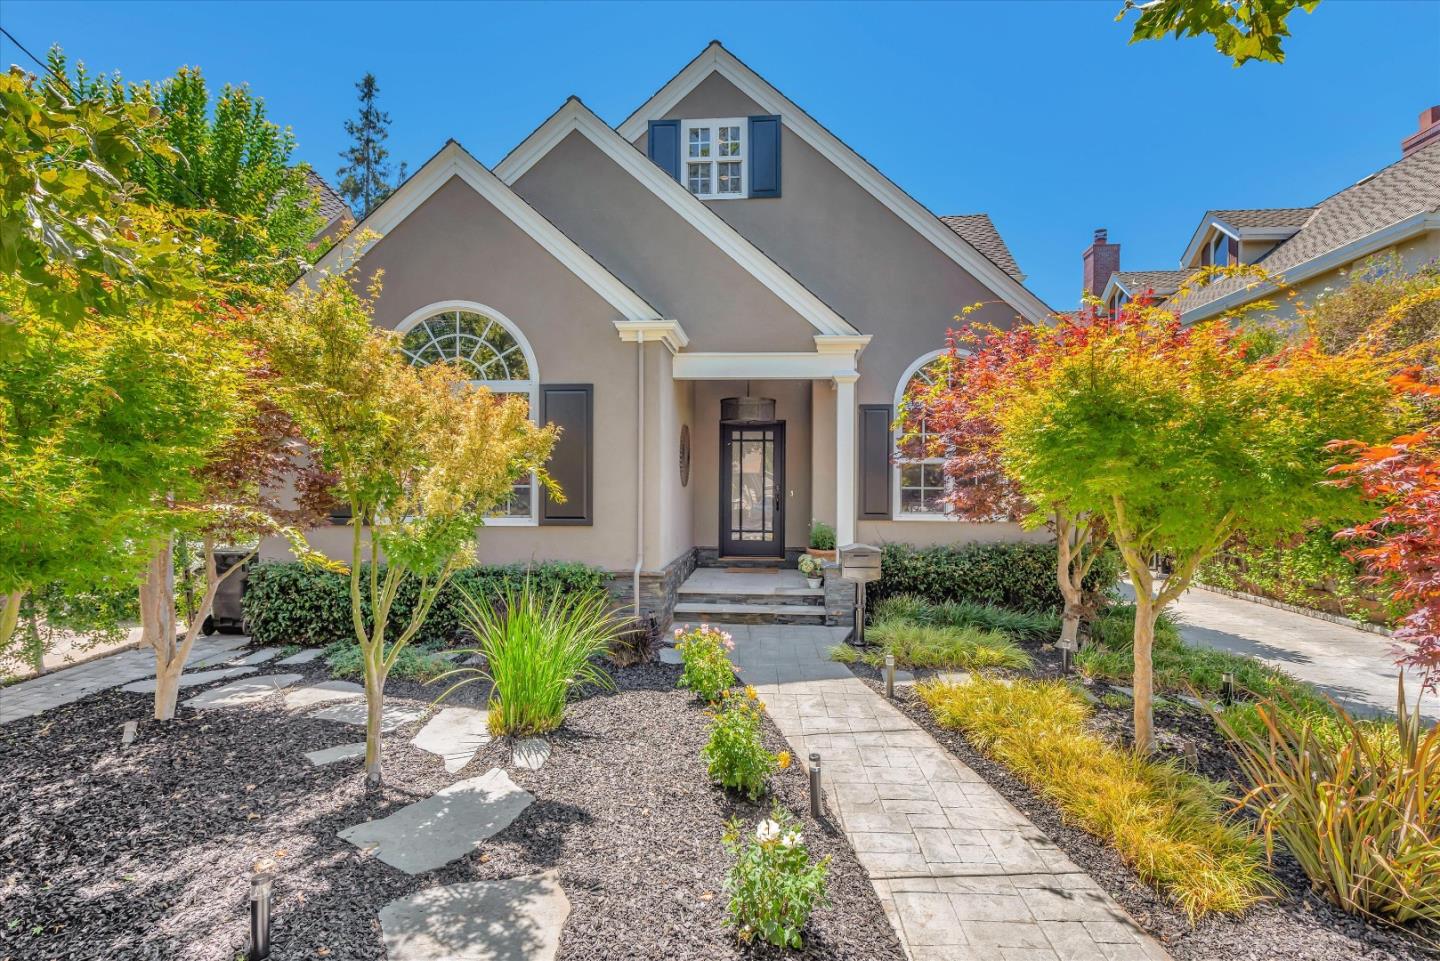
x=791, y=839
x=767, y=830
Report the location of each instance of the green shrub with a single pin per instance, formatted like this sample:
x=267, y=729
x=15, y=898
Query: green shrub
x=290, y=603
x=539, y=648
x=1033, y=626
x=822, y=536
x=774, y=886
x=411, y=664
x=1360, y=813
x=734, y=756
x=1017, y=575
x=1164, y=821
x=945, y=648
x=707, y=670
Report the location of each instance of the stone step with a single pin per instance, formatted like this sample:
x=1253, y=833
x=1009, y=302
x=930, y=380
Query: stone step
x=802, y=595
x=689, y=611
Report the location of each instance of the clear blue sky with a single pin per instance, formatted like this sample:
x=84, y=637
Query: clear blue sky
x=1037, y=113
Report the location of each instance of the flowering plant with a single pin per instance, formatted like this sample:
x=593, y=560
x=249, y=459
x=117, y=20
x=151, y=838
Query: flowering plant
x=809, y=565
x=734, y=756
x=703, y=650
x=774, y=886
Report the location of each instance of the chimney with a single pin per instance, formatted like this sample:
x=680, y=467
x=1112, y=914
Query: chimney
x=1101, y=259
x=1428, y=133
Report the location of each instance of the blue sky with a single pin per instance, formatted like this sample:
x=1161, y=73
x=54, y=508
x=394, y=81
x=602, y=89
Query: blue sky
x=1037, y=113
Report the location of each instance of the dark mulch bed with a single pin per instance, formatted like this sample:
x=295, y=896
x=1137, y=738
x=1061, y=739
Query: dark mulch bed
x=145, y=853
x=1300, y=925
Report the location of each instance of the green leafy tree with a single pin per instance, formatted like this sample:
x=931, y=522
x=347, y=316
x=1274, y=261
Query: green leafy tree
x=1179, y=438
x=418, y=455
x=365, y=178
x=1243, y=30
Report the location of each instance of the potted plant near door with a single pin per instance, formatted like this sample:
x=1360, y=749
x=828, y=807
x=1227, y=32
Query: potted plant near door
x=811, y=567
x=822, y=541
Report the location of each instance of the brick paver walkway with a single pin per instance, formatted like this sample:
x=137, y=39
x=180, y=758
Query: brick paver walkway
x=963, y=875
x=28, y=698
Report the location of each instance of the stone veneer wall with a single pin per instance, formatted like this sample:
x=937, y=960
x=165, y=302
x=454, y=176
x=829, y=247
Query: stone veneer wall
x=839, y=597
x=658, y=589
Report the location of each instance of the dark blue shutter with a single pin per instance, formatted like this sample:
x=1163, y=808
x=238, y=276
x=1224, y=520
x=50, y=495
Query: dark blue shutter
x=876, y=444
x=664, y=145
x=764, y=156
x=571, y=407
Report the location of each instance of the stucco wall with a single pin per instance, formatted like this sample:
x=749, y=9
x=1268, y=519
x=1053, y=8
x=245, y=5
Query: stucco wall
x=457, y=247
x=622, y=224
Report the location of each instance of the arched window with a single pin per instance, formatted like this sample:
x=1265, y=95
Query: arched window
x=491, y=348
x=919, y=481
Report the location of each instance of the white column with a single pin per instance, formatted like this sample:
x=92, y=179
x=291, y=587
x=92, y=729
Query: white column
x=845, y=457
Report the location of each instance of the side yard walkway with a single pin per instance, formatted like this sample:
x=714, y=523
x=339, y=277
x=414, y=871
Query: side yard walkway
x=963, y=875
x=27, y=698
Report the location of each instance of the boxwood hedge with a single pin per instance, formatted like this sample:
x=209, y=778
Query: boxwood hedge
x=289, y=603
x=1016, y=574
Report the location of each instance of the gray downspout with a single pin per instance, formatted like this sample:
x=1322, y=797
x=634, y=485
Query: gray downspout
x=639, y=470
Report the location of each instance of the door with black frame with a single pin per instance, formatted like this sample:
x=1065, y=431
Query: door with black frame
x=752, y=490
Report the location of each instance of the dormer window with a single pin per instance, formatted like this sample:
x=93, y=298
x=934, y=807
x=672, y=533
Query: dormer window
x=714, y=157
x=1222, y=251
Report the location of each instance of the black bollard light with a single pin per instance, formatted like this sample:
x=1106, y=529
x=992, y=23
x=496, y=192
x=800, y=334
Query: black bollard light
x=1227, y=688
x=260, y=917
x=1067, y=661
x=817, y=808
x=890, y=675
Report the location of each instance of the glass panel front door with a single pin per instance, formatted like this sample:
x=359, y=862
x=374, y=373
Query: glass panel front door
x=752, y=490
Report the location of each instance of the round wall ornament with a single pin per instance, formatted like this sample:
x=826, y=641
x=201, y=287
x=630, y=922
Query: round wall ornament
x=684, y=455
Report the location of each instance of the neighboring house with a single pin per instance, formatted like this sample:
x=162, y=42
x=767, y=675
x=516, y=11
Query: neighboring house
x=1393, y=211
x=718, y=301
x=332, y=207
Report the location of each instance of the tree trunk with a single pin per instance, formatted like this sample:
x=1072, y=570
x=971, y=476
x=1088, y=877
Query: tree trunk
x=374, y=714
x=34, y=642
x=9, y=617
x=1144, y=680
x=157, y=626
x=1070, y=628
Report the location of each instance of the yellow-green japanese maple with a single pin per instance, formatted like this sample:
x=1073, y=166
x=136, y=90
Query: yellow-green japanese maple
x=419, y=456
x=1180, y=437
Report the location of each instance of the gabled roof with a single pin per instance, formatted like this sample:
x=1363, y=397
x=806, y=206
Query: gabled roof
x=574, y=117
x=1265, y=217
x=1400, y=201
x=978, y=230
x=716, y=59
x=453, y=161
x=1136, y=282
x=332, y=206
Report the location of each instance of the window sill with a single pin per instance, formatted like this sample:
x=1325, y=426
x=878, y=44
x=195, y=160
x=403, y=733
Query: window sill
x=721, y=196
x=511, y=522
x=924, y=518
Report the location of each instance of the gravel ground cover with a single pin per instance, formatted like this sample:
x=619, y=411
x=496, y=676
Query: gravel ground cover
x=145, y=852
x=1300, y=926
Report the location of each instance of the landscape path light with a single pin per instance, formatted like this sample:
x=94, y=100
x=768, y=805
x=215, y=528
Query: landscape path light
x=817, y=808
x=260, y=917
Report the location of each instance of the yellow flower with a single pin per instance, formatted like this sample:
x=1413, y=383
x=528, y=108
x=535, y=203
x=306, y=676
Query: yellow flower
x=750, y=693
x=783, y=759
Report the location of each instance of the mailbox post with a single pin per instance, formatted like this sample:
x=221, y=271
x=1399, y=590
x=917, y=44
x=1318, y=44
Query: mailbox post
x=860, y=563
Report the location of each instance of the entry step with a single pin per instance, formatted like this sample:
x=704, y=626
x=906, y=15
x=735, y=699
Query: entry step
x=733, y=613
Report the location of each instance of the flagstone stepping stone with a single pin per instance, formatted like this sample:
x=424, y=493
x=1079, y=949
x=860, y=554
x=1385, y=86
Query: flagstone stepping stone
x=312, y=694
x=668, y=655
x=353, y=712
x=127, y=733
x=248, y=691
x=447, y=825
x=530, y=753
x=514, y=920
x=455, y=734
x=304, y=657
x=256, y=657
x=330, y=755
x=190, y=680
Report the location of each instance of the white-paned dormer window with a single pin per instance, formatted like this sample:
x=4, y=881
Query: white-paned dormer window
x=712, y=155
x=495, y=354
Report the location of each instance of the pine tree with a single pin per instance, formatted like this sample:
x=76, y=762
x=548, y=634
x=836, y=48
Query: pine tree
x=365, y=178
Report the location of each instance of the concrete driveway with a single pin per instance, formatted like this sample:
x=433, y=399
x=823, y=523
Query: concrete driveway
x=1354, y=667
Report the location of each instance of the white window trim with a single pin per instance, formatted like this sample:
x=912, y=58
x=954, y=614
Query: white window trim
x=529, y=387
x=896, y=513
x=714, y=160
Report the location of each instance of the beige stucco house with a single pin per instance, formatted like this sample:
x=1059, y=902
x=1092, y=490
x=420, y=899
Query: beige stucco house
x=717, y=300
x=1393, y=212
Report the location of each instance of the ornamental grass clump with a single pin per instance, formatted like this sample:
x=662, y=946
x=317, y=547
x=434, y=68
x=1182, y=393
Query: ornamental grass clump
x=538, y=650
x=1020, y=625
x=944, y=648
x=1362, y=816
x=704, y=651
x=734, y=756
x=1167, y=823
x=774, y=885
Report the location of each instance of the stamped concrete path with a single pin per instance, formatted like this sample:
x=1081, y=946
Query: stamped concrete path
x=963, y=875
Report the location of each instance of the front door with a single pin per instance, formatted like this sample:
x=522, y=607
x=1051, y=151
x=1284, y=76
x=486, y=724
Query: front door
x=752, y=490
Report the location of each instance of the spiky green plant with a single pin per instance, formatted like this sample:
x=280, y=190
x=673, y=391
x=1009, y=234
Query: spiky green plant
x=945, y=648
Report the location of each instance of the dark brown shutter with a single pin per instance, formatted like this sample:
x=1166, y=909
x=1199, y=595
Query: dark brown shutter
x=875, y=450
x=571, y=407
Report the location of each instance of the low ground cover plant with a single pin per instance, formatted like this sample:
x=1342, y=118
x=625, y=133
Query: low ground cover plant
x=1019, y=624
x=1017, y=575
x=1167, y=823
x=539, y=648
x=774, y=885
x=346, y=660
x=942, y=648
x=290, y=603
x=704, y=651
x=734, y=756
x=1360, y=812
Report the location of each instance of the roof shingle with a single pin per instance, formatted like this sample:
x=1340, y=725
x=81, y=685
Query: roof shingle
x=1263, y=218
x=1162, y=282
x=979, y=232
